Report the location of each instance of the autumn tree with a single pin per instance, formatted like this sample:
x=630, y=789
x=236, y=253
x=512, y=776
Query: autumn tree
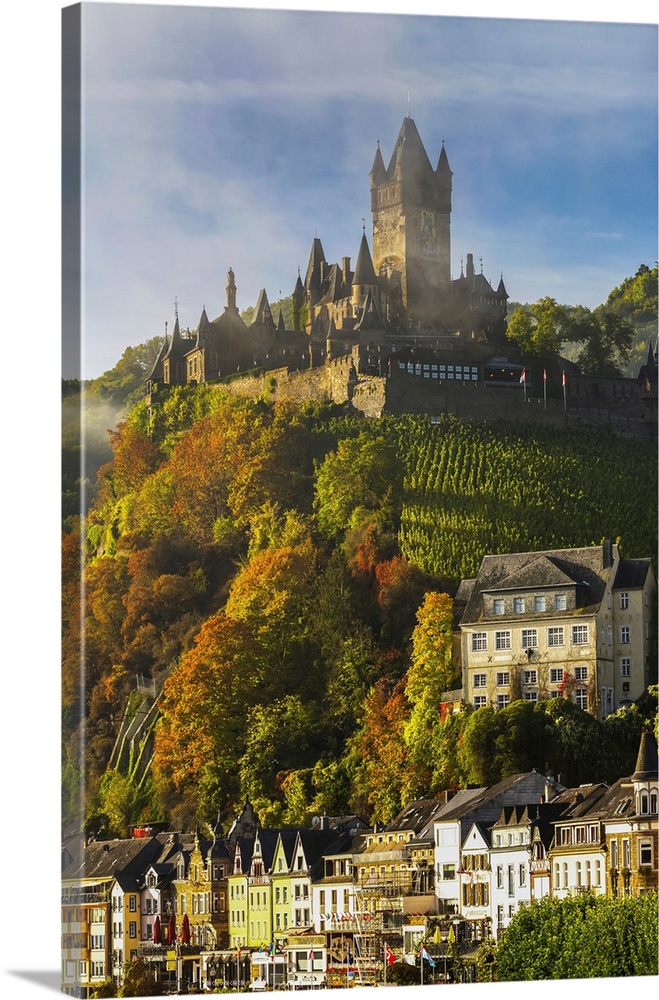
x=378, y=755
x=201, y=735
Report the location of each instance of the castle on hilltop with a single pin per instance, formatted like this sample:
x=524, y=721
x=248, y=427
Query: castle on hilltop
x=396, y=297
x=368, y=334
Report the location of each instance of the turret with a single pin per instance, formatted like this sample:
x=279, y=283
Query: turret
x=231, y=292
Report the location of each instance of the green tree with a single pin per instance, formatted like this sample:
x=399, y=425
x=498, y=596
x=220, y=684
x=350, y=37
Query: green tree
x=429, y=675
x=604, y=338
x=360, y=481
x=537, y=329
x=140, y=981
x=580, y=937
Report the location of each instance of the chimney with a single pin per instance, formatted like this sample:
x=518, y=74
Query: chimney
x=550, y=790
x=470, y=265
x=345, y=271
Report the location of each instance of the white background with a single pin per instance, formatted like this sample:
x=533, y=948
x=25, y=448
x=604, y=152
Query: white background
x=30, y=281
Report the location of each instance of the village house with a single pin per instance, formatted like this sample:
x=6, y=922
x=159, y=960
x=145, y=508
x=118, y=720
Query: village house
x=572, y=622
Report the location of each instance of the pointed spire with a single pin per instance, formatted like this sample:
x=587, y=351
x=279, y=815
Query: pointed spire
x=364, y=271
x=262, y=311
x=646, y=761
x=316, y=258
x=501, y=290
x=443, y=164
x=378, y=170
x=281, y=326
x=409, y=153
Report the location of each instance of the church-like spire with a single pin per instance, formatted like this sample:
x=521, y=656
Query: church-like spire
x=262, y=311
x=409, y=155
x=646, y=761
x=378, y=170
x=231, y=292
x=316, y=258
x=364, y=271
x=281, y=326
x=443, y=164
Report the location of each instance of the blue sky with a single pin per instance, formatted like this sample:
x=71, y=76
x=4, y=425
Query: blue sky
x=225, y=137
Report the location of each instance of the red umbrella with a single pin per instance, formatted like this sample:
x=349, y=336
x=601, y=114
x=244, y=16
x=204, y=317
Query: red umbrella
x=185, y=930
x=171, y=929
x=157, y=933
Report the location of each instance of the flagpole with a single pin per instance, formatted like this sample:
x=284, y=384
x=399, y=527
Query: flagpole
x=544, y=387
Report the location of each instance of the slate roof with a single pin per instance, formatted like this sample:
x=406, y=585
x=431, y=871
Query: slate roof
x=587, y=568
x=105, y=858
x=646, y=761
x=631, y=574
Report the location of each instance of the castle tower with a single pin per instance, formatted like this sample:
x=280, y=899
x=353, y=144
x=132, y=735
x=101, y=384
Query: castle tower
x=411, y=206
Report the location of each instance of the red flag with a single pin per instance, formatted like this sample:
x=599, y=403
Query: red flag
x=544, y=374
x=311, y=954
x=522, y=377
x=564, y=379
x=389, y=956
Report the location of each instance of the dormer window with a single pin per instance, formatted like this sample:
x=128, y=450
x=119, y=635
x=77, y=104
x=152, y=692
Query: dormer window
x=539, y=602
x=499, y=606
x=560, y=602
x=519, y=605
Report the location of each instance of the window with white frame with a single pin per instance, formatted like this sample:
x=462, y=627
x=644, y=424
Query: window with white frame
x=625, y=666
x=581, y=698
x=530, y=696
x=645, y=852
x=503, y=678
x=581, y=673
x=499, y=606
x=540, y=603
x=624, y=634
x=478, y=642
x=579, y=635
x=560, y=602
x=503, y=700
x=555, y=675
x=480, y=701
x=522, y=875
x=479, y=680
x=529, y=638
x=499, y=876
x=555, y=635
x=624, y=599
x=502, y=640
x=530, y=676
x=519, y=605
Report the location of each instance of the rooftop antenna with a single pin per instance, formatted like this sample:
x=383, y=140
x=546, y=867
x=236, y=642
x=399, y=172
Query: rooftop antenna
x=363, y=225
x=408, y=102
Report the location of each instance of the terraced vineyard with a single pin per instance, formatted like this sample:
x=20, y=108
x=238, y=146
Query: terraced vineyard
x=474, y=488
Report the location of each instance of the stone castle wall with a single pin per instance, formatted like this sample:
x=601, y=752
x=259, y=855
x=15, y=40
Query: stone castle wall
x=337, y=382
